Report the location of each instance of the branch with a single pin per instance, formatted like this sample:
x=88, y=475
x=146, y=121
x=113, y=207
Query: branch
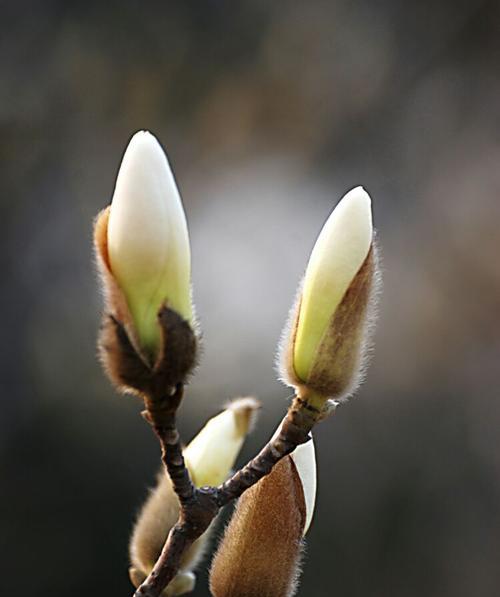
x=161, y=415
x=198, y=507
x=294, y=430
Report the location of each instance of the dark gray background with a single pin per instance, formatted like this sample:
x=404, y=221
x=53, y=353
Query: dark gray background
x=269, y=111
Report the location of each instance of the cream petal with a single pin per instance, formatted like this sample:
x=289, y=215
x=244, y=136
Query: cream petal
x=211, y=455
x=339, y=252
x=148, y=243
x=304, y=458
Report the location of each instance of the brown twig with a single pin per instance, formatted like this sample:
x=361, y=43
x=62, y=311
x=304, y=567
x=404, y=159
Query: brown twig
x=161, y=415
x=198, y=507
x=294, y=430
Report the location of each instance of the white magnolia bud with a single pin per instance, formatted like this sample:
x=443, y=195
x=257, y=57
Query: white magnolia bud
x=326, y=340
x=147, y=237
x=210, y=456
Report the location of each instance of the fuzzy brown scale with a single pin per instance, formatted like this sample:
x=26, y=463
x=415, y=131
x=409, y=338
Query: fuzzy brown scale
x=123, y=365
x=129, y=368
x=340, y=350
x=260, y=549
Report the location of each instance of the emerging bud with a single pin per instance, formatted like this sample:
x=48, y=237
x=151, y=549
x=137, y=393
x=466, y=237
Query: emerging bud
x=259, y=553
x=147, y=240
x=209, y=458
x=212, y=453
x=326, y=342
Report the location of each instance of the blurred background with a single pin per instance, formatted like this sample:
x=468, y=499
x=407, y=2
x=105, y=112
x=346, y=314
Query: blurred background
x=269, y=112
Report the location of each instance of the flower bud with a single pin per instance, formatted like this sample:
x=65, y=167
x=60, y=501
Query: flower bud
x=147, y=240
x=209, y=458
x=325, y=343
x=212, y=453
x=260, y=551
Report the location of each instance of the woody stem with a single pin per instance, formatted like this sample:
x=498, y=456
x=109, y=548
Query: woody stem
x=198, y=507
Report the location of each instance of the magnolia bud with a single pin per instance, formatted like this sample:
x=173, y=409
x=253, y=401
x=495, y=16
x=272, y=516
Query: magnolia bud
x=325, y=343
x=147, y=240
x=212, y=453
x=209, y=458
x=259, y=553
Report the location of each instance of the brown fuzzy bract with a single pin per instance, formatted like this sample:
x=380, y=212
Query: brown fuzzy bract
x=259, y=553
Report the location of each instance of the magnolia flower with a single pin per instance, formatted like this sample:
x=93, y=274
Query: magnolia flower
x=260, y=551
x=324, y=347
x=147, y=240
x=209, y=457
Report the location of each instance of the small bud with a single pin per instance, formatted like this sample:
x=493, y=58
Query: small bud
x=211, y=454
x=325, y=343
x=260, y=551
x=147, y=240
x=209, y=458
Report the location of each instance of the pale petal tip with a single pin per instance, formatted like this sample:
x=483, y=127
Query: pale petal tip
x=356, y=206
x=144, y=162
x=245, y=412
x=143, y=134
x=142, y=142
x=359, y=195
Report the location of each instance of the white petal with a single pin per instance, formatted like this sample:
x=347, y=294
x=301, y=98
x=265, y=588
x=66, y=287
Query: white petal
x=148, y=243
x=146, y=208
x=211, y=455
x=339, y=252
x=304, y=458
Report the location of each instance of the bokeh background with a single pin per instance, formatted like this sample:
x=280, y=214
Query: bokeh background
x=269, y=112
